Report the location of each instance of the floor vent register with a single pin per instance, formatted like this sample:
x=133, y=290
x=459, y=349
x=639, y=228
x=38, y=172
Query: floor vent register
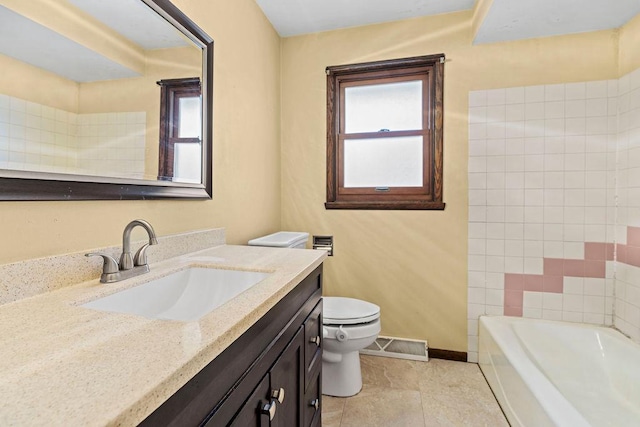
x=400, y=348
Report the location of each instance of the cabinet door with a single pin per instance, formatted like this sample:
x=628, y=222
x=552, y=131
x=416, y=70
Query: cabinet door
x=287, y=388
x=255, y=411
x=312, y=403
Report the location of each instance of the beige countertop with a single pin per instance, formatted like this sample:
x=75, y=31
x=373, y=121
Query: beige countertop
x=61, y=364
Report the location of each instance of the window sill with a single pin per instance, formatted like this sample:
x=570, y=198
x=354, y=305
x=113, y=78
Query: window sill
x=400, y=205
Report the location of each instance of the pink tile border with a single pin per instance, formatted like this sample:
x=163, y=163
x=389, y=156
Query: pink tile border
x=513, y=311
x=595, y=268
x=633, y=255
x=553, y=267
x=573, y=267
x=512, y=298
x=633, y=236
x=621, y=253
x=533, y=282
x=597, y=251
x=514, y=281
x=554, y=284
x=596, y=254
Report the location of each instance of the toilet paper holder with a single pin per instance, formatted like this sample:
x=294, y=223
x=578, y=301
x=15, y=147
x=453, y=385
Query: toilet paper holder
x=324, y=243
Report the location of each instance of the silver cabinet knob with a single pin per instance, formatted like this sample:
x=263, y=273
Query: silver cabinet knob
x=315, y=403
x=278, y=394
x=270, y=409
x=315, y=340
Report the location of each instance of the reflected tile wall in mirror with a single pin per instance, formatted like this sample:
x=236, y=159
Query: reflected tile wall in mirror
x=39, y=138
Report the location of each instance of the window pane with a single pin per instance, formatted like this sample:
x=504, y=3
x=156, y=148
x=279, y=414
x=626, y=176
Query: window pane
x=393, y=106
x=187, y=162
x=189, y=120
x=383, y=162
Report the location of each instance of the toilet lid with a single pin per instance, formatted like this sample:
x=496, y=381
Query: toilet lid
x=348, y=311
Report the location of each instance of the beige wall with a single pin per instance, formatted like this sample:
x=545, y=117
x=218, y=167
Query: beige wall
x=246, y=154
x=25, y=81
x=630, y=46
x=411, y=263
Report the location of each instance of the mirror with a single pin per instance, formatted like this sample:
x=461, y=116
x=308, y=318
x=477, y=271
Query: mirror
x=103, y=100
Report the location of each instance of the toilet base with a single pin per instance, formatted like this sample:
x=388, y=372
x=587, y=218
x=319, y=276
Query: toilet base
x=344, y=378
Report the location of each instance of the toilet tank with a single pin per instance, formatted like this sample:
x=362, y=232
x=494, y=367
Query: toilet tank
x=282, y=239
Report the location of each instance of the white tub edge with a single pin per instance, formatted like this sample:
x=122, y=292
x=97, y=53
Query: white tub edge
x=532, y=393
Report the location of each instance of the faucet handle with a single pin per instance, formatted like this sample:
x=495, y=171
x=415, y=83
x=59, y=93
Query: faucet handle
x=140, y=257
x=110, y=264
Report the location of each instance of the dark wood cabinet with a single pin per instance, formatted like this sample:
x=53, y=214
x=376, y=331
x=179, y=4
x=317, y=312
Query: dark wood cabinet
x=287, y=382
x=255, y=411
x=312, y=403
x=270, y=376
x=276, y=399
x=313, y=367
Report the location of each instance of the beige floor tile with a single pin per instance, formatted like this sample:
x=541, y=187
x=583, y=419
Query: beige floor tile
x=331, y=419
x=405, y=393
x=440, y=410
x=332, y=409
x=453, y=378
x=332, y=404
x=389, y=372
x=456, y=393
x=383, y=407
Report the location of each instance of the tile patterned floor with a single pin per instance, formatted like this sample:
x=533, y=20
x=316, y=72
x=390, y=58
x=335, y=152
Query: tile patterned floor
x=407, y=393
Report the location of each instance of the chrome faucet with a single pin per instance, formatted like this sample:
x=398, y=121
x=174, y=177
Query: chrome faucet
x=114, y=271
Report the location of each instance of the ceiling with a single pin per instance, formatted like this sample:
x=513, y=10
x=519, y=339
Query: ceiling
x=29, y=41
x=505, y=19
x=22, y=39
x=134, y=20
x=294, y=17
x=525, y=19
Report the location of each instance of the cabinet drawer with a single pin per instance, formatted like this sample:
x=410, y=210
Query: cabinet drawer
x=313, y=342
x=312, y=403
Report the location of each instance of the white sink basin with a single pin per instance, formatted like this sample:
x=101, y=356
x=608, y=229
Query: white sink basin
x=185, y=295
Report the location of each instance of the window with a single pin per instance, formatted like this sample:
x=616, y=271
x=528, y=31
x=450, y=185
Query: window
x=180, y=130
x=384, y=134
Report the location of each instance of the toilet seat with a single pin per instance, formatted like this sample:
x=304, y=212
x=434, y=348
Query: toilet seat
x=348, y=311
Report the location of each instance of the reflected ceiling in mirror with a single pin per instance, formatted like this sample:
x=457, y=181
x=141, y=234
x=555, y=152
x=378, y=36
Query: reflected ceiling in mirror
x=84, y=110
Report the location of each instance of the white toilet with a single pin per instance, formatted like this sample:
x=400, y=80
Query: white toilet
x=349, y=326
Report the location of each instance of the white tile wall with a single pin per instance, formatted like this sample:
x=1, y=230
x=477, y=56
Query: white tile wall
x=541, y=185
x=627, y=280
x=112, y=144
x=36, y=137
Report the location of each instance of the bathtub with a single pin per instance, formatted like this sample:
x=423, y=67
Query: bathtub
x=547, y=373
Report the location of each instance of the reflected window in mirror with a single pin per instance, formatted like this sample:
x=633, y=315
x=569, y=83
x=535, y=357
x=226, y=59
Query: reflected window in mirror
x=180, y=130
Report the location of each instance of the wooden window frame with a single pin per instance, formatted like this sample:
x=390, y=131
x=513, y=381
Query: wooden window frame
x=171, y=90
x=429, y=69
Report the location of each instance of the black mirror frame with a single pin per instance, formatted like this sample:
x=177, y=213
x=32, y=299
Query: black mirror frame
x=31, y=188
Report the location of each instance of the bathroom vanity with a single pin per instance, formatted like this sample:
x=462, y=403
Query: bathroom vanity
x=255, y=360
x=268, y=376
